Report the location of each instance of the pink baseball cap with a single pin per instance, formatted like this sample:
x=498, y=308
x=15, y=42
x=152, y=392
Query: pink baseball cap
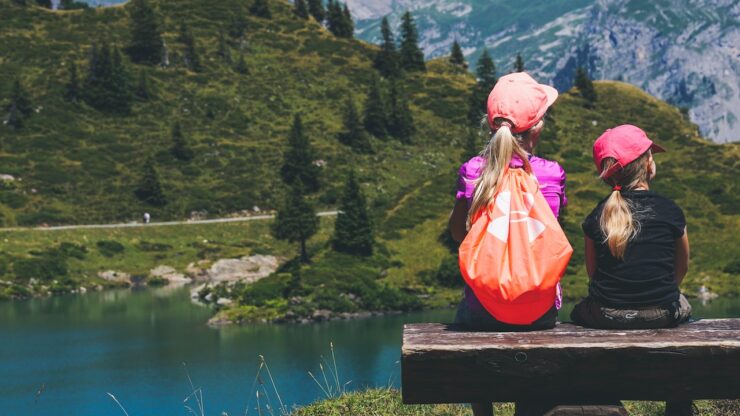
x=624, y=143
x=518, y=98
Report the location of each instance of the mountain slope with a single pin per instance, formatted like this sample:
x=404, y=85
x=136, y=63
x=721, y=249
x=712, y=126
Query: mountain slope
x=682, y=52
x=79, y=165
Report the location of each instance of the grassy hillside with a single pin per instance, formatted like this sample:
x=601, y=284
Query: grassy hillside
x=80, y=165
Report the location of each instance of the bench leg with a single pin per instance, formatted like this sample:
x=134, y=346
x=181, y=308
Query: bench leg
x=482, y=409
x=679, y=408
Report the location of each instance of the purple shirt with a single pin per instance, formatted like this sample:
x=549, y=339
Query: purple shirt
x=551, y=177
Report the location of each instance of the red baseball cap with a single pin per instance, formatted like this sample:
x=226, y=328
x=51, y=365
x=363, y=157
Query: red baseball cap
x=624, y=143
x=518, y=98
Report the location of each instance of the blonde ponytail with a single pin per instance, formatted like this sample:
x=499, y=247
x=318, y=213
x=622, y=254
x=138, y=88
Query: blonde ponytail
x=498, y=154
x=618, y=221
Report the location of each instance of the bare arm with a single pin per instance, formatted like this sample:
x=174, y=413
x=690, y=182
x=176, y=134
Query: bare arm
x=681, y=260
x=458, y=218
x=590, y=252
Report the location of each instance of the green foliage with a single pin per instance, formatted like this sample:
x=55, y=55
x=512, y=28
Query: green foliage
x=448, y=274
x=241, y=65
x=149, y=189
x=733, y=267
x=19, y=108
x=316, y=8
x=145, y=46
x=45, y=3
x=237, y=24
x=375, y=115
x=456, y=55
x=109, y=248
x=143, y=89
x=180, y=149
x=46, y=265
x=223, y=49
x=387, y=61
x=298, y=166
x=72, y=89
x=300, y=9
x=585, y=86
x=296, y=219
x=190, y=55
x=485, y=74
x=261, y=9
x=412, y=58
x=353, y=231
x=106, y=86
x=339, y=20
x=519, y=63
x=353, y=134
x=72, y=5
x=400, y=119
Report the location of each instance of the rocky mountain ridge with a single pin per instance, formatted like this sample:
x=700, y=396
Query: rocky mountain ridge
x=685, y=52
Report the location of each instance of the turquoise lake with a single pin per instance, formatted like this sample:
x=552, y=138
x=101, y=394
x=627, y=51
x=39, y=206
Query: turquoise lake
x=62, y=355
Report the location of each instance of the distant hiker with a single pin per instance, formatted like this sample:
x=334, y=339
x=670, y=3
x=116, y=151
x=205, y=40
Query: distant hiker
x=636, y=245
x=508, y=193
x=637, y=249
x=147, y=218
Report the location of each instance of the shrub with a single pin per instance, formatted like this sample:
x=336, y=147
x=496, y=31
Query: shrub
x=732, y=267
x=72, y=250
x=448, y=274
x=45, y=266
x=109, y=248
x=149, y=246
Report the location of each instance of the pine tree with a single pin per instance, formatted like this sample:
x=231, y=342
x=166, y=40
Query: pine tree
x=106, y=86
x=353, y=231
x=20, y=98
x=180, y=149
x=143, y=90
x=72, y=89
x=296, y=219
x=349, y=24
x=223, y=49
x=260, y=9
x=387, y=61
x=298, y=166
x=400, y=122
x=316, y=8
x=353, y=134
x=485, y=73
x=149, y=189
x=456, y=55
x=241, y=65
x=192, y=60
x=72, y=5
x=585, y=86
x=375, y=114
x=20, y=106
x=519, y=63
x=412, y=58
x=300, y=9
x=45, y=3
x=146, y=38
x=237, y=24
x=471, y=147
x=335, y=18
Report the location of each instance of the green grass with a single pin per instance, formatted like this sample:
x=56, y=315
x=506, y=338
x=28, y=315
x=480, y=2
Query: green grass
x=387, y=402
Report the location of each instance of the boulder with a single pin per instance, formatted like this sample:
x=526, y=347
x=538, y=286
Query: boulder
x=115, y=276
x=248, y=269
x=170, y=274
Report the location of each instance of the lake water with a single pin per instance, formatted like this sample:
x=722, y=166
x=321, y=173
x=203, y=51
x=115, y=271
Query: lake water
x=60, y=356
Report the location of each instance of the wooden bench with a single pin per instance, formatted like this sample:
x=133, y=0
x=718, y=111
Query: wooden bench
x=570, y=364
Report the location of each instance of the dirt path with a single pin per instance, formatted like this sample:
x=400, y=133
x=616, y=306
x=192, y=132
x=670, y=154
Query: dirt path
x=157, y=224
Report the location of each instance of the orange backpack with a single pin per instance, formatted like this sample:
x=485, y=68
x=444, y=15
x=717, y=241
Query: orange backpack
x=515, y=252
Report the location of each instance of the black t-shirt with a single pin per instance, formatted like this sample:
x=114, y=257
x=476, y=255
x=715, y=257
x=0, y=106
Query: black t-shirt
x=645, y=277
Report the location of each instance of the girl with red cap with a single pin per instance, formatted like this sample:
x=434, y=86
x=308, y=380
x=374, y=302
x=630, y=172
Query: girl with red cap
x=636, y=246
x=516, y=108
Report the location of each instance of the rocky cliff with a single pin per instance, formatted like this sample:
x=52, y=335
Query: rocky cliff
x=685, y=52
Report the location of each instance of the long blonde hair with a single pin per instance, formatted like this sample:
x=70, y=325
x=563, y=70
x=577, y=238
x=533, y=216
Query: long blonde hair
x=498, y=153
x=618, y=221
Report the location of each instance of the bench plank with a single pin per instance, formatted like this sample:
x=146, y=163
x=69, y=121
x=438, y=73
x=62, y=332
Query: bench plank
x=445, y=364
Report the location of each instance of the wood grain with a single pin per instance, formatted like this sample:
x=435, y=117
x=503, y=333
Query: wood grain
x=444, y=364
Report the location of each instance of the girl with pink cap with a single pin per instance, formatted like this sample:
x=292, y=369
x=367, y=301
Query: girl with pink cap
x=516, y=108
x=636, y=246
